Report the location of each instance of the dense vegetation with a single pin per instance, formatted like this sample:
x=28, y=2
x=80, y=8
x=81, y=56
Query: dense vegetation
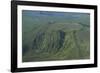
x=50, y=36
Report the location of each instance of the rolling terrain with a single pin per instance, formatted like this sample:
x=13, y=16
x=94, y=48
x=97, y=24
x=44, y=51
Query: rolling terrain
x=48, y=36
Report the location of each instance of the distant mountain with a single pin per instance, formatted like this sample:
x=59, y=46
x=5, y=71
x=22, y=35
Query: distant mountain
x=57, y=14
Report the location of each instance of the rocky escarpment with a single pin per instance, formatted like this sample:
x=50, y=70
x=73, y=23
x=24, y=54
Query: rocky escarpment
x=58, y=43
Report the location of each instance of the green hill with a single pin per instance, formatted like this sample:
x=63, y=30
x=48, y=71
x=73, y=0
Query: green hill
x=55, y=36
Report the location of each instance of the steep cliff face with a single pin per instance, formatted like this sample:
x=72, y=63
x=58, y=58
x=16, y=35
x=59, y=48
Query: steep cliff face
x=45, y=40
